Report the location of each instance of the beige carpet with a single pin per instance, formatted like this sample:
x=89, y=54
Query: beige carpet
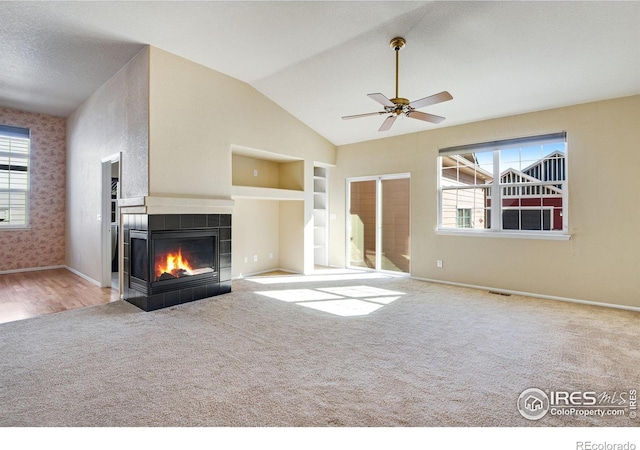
x=287, y=352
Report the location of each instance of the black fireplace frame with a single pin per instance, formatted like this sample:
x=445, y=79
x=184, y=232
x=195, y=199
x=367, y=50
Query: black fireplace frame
x=150, y=295
x=149, y=285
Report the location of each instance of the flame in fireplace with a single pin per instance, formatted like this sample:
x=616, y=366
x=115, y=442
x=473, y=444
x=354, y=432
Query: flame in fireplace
x=173, y=264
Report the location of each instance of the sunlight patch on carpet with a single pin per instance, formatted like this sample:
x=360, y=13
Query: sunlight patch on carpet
x=299, y=295
x=360, y=291
x=345, y=307
x=340, y=301
x=382, y=300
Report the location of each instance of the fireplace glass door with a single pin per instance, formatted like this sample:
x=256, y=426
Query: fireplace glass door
x=176, y=256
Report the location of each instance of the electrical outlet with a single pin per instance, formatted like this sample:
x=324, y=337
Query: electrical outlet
x=246, y=260
x=270, y=255
x=255, y=258
x=439, y=263
x=255, y=172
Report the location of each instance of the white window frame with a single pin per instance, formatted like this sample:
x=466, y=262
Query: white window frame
x=18, y=133
x=464, y=216
x=496, y=229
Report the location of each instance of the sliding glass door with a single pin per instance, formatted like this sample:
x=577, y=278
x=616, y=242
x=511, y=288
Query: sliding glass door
x=378, y=223
x=396, y=238
x=363, y=224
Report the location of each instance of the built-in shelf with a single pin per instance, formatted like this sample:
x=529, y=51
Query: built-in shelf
x=260, y=169
x=262, y=175
x=320, y=216
x=261, y=193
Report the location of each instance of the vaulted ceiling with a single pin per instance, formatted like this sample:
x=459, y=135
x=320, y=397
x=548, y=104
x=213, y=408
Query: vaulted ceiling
x=320, y=59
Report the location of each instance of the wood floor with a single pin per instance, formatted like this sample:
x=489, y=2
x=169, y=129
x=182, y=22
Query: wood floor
x=31, y=294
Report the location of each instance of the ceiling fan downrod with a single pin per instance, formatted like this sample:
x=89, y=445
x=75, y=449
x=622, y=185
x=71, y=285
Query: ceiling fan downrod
x=397, y=44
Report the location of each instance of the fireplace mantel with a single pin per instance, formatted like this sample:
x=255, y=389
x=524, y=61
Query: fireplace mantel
x=175, y=205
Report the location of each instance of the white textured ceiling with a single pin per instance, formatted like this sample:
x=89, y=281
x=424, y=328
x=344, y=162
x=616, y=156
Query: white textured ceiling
x=319, y=59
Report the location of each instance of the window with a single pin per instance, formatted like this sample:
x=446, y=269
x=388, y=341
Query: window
x=515, y=186
x=464, y=217
x=14, y=177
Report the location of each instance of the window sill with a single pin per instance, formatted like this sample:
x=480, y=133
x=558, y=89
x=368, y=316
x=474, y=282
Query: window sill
x=15, y=228
x=549, y=236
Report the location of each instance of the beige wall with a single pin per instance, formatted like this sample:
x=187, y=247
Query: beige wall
x=268, y=172
x=112, y=120
x=599, y=263
x=196, y=116
x=42, y=245
x=292, y=175
x=292, y=234
x=271, y=230
x=255, y=231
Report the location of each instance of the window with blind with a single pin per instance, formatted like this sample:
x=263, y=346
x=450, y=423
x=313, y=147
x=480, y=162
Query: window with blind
x=514, y=186
x=14, y=177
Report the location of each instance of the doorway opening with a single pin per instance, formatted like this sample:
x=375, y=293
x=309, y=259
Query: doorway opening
x=110, y=219
x=379, y=223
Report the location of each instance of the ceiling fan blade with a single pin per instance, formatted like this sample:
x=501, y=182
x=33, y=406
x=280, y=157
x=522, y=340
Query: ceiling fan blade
x=424, y=116
x=356, y=116
x=384, y=101
x=387, y=122
x=431, y=100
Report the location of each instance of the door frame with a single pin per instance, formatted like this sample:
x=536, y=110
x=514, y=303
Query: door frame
x=105, y=225
x=378, y=179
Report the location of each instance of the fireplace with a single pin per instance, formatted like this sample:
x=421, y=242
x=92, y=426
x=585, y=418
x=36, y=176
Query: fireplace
x=175, y=258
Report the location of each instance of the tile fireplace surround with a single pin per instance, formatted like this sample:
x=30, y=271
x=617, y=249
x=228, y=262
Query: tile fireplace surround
x=146, y=292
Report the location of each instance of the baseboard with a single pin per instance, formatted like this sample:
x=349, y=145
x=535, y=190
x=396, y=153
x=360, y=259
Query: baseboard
x=253, y=274
x=532, y=294
x=31, y=269
x=81, y=275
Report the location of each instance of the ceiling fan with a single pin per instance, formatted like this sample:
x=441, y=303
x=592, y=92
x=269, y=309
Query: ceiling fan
x=398, y=105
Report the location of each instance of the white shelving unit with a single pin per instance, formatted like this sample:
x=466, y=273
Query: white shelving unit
x=259, y=193
x=320, y=216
